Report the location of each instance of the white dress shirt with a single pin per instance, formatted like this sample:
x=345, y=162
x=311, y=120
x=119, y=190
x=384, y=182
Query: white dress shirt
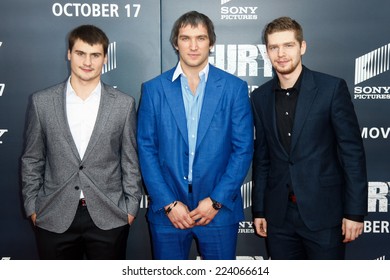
x=81, y=115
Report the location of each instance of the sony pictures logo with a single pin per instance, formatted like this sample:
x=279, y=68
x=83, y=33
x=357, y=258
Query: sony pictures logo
x=234, y=11
x=368, y=66
x=246, y=227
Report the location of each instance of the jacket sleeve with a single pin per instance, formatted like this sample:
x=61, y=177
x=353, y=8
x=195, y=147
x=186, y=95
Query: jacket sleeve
x=131, y=176
x=261, y=163
x=351, y=151
x=242, y=149
x=148, y=148
x=33, y=159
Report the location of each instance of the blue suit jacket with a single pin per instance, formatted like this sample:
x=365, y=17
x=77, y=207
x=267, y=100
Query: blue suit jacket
x=326, y=164
x=224, y=146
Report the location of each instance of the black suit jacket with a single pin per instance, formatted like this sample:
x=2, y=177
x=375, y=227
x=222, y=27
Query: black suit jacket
x=326, y=164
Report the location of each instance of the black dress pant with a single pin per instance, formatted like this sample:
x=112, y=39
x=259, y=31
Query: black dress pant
x=83, y=240
x=294, y=241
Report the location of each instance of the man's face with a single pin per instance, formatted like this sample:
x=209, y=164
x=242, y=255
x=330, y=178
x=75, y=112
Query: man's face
x=193, y=45
x=285, y=52
x=86, y=61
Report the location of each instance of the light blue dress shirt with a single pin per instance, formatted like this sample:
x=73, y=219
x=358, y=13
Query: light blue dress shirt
x=193, y=107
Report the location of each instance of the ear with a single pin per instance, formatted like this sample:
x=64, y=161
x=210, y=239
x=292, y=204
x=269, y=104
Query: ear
x=303, y=47
x=105, y=59
x=69, y=55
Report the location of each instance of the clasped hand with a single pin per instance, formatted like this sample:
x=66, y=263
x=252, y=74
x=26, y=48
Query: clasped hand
x=182, y=218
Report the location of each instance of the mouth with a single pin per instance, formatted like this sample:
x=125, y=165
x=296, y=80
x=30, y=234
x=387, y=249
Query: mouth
x=193, y=55
x=86, y=70
x=282, y=62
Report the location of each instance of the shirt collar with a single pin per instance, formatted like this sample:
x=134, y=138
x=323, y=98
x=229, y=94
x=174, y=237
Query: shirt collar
x=296, y=87
x=71, y=92
x=179, y=71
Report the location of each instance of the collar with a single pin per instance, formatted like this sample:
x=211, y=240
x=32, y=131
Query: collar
x=179, y=71
x=296, y=87
x=71, y=92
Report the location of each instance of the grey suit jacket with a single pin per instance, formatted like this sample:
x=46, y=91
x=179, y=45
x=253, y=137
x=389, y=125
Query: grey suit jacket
x=53, y=174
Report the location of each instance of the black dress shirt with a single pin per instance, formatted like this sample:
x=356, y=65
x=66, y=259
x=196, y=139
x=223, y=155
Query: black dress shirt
x=285, y=104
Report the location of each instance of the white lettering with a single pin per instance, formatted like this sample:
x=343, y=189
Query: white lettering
x=241, y=60
x=371, y=90
x=375, y=132
x=2, y=131
x=376, y=226
x=238, y=10
x=377, y=197
x=85, y=10
x=2, y=87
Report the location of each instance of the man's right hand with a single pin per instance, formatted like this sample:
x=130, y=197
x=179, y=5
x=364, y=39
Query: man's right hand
x=33, y=218
x=261, y=226
x=179, y=216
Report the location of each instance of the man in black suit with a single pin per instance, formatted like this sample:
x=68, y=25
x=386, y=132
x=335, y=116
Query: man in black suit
x=310, y=182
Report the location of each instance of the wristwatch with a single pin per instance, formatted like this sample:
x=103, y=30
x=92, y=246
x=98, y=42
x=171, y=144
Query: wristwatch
x=216, y=205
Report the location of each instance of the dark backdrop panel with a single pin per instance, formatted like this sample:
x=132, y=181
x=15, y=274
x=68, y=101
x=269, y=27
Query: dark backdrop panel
x=34, y=56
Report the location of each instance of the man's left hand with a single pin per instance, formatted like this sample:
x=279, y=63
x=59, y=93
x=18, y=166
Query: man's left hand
x=204, y=213
x=351, y=230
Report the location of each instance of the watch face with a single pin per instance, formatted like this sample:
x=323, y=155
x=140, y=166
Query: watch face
x=217, y=205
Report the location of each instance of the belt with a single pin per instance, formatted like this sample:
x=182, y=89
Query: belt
x=292, y=197
x=82, y=202
x=189, y=188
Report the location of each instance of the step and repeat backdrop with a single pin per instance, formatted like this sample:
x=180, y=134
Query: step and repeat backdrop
x=349, y=39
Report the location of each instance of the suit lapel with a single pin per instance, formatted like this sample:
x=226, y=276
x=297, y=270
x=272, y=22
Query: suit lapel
x=212, y=95
x=59, y=99
x=173, y=95
x=307, y=94
x=105, y=106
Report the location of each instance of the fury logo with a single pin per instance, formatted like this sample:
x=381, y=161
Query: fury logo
x=2, y=131
x=242, y=60
x=378, y=193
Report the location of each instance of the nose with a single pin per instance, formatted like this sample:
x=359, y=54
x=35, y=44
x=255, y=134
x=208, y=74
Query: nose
x=194, y=44
x=87, y=60
x=281, y=51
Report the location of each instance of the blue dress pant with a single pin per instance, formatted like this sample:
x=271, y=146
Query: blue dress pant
x=214, y=243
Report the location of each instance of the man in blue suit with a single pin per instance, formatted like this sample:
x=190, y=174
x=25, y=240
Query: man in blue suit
x=309, y=169
x=195, y=141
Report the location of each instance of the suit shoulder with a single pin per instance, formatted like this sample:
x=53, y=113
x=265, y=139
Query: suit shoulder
x=325, y=78
x=119, y=94
x=262, y=89
x=49, y=91
x=157, y=80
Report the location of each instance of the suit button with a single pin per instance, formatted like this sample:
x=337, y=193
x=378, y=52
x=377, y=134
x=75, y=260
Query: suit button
x=291, y=163
x=76, y=188
x=81, y=167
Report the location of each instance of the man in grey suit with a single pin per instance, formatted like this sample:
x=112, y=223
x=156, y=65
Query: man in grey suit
x=80, y=173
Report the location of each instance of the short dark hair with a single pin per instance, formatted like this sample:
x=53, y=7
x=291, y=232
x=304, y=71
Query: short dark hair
x=194, y=19
x=283, y=24
x=89, y=34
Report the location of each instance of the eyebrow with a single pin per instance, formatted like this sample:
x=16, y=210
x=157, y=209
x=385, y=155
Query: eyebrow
x=285, y=43
x=82, y=52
